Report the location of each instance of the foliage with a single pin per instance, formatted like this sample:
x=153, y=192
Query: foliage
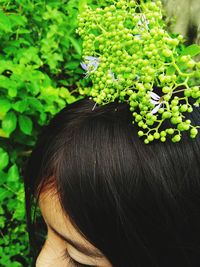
x=39, y=66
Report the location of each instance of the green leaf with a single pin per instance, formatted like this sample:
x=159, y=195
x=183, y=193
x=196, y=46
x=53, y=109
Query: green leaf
x=4, y=159
x=71, y=65
x=34, y=103
x=25, y=124
x=12, y=91
x=76, y=45
x=9, y=122
x=13, y=174
x=192, y=50
x=81, y=6
x=2, y=222
x=17, y=20
x=5, y=106
x=19, y=211
x=5, y=24
x=20, y=105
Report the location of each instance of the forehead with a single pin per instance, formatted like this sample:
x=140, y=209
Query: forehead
x=53, y=215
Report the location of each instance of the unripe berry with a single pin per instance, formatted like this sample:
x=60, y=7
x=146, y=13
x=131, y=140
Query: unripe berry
x=186, y=127
x=183, y=108
x=175, y=108
x=191, y=64
x=170, y=131
x=163, y=139
x=167, y=97
x=138, y=118
x=180, y=127
x=167, y=53
x=179, y=119
x=166, y=115
x=146, y=141
x=140, y=123
x=174, y=120
x=122, y=94
x=184, y=59
x=156, y=135
x=190, y=109
x=144, y=126
x=194, y=131
x=161, y=110
x=149, y=122
x=174, y=102
x=140, y=133
x=150, y=137
x=176, y=138
x=166, y=89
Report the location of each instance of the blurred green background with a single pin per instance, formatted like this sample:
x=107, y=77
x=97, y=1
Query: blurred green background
x=40, y=56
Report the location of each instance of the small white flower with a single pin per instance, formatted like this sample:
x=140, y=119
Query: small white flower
x=138, y=36
x=143, y=22
x=90, y=65
x=112, y=75
x=157, y=101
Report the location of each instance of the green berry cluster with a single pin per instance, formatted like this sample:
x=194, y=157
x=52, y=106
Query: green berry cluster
x=129, y=55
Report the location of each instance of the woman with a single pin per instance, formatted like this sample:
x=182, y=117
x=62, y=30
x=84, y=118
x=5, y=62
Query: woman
x=110, y=200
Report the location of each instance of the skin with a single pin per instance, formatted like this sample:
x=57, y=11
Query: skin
x=55, y=247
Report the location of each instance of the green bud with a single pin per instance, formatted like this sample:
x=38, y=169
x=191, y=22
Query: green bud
x=180, y=127
x=149, y=116
x=191, y=64
x=163, y=139
x=161, y=110
x=186, y=127
x=163, y=133
x=188, y=122
x=150, y=137
x=184, y=108
x=174, y=102
x=166, y=97
x=149, y=122
x=156, y=135
x=184, y=59
x=190, y=109
x=140, y=123
x=130, y=92
x=146, y=141
x=166, y=89
x=193, y=131
x=170, y=131
x=138, y=118
x=144, y=126
x=179, y=119
x=167, y=53
x=175, y=108
x=176, y=138
x=140, y=133
x=166, y=115
x=122, y=94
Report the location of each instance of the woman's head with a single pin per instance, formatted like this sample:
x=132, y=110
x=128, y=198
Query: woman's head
x=137, y=204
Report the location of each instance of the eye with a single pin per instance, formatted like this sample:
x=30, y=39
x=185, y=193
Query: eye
x=78, y=264
x=75, y=263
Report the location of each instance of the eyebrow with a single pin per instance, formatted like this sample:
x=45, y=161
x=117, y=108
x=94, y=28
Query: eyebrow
x=81, y=248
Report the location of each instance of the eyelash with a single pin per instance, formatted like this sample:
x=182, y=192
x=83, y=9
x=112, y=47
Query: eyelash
x=75, y=263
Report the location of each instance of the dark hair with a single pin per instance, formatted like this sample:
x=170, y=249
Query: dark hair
x=138, y=204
